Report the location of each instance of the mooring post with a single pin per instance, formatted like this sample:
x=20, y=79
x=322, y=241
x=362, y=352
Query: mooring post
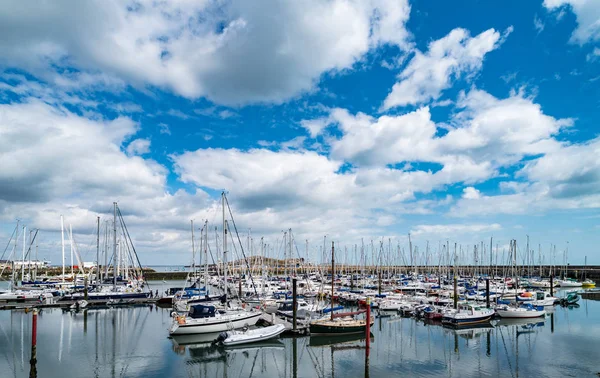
x=552, y=285
x=379, y=285
x=368, y=325
x=295, y=304
x=487, y=292
x=455, y=292
x=33, y=361
x=240, y=288
x=85, y=288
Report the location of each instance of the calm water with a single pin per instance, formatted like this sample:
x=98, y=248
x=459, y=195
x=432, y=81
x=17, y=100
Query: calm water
x=133, y=342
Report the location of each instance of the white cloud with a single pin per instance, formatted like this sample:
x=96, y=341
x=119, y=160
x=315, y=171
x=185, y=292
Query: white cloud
x=485, y=134
x=232, y=52
x=163, y=128
x=224, y=114
x=126, y=107
x=46, y=153
x=429, y=74
x=509, y=76
x=538, y=24
x=384, y=140
x=471, y=193
x=595, y=54
x=57, y=162
x=588, y=18
x=178, y=114
x=450, y=231
x=566, y=177
x=571, y=171
x=138, y=147
x=315, y=126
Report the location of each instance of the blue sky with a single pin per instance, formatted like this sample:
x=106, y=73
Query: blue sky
x=355, y=120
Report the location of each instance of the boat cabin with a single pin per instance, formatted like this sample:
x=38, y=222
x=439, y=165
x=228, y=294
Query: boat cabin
x=202, y=311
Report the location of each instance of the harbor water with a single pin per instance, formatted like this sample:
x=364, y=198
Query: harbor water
x=134, y=342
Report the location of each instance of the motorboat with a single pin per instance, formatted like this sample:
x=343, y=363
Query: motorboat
x=525, y=296
x=569, y=283
x=543, y=298
x=247, y=336
x=588, y=283
x=467, y=314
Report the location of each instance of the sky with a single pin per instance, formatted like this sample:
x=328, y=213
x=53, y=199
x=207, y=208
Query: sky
x=348, y=121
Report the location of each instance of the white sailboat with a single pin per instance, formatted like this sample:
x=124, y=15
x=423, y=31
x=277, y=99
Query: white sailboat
x=467, y=314
x=205, y=318
x=524, y=311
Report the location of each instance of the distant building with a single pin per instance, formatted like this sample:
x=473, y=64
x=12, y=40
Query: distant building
x=28, y=264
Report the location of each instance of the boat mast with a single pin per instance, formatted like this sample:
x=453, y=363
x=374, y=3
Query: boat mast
x=62, y=237
x=224, y=241
x=206, y=256
x=114, y=246
x=332, y=275
x=193, y=252
x=23, y=259
x=291, y=253
x=98, y=272
x=71, y=249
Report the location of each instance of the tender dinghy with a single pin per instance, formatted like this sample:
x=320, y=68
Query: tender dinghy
x=250, y=335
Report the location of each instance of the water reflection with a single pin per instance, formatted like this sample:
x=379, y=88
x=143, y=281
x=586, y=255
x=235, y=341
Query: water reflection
x=133, y=342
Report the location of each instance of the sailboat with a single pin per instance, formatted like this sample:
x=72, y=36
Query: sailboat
x=205, y=318
x=587, y=282
x=467, y=314
x=524, y=311
x=341, y=323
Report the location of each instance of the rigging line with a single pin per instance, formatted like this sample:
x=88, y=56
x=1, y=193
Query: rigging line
x=241, y=246
x=9, y=242
x=31, y=243
x=129, y=254
x=5, y=249
x=136, y=255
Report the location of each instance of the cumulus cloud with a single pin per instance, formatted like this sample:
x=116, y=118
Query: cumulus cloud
x=471, y=193
x=566, y=177
x=232, y=52
x=485, y=134
x=571, y=171
x=139, y=147
x=274, y=187
x=428, y=74
x=315, y=126
x=588, y=18
x=57, y=162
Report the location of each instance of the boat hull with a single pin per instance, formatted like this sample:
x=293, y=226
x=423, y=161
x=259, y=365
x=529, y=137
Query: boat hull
x=466, y=321
x=520, y=314
x=214, y=324
x=255, y=336
x=104, y=296
x=319, y=329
